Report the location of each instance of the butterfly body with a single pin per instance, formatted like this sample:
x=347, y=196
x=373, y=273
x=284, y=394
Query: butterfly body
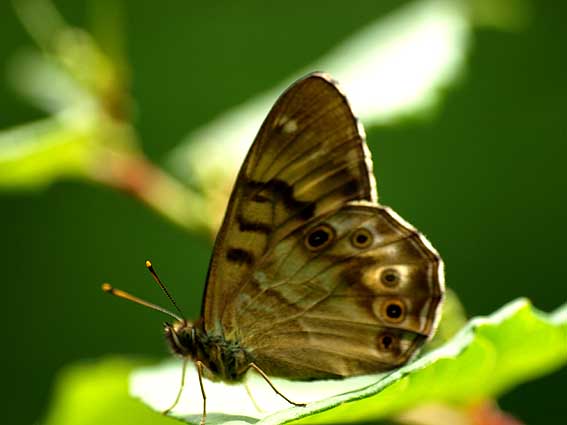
x=224, y=359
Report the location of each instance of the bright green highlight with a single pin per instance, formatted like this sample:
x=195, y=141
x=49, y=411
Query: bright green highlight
x=97, y=393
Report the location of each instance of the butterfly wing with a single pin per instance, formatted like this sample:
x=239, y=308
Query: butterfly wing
x=309, y=158
x=362, y=301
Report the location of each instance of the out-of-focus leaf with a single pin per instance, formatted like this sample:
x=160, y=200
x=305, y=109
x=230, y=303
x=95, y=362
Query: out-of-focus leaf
x=34, y=155
x=89, y=134
x=45, y=83
x=508, y=15
x=97, y=393
x=376, y=68
x=95, y=148
x=73, y=80
x=71, y=48
x=396, y=66
x=487, y=357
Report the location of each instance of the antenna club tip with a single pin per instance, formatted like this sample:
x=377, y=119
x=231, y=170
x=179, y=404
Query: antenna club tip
x=107, y=287
x=148, y=264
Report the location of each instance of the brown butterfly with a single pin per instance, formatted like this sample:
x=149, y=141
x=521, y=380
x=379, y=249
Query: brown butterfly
x=310, y=277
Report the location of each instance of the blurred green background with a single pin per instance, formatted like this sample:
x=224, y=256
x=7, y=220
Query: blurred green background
x=483, y=175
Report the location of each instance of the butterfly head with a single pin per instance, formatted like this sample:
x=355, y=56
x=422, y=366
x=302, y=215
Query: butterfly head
x=181, y=337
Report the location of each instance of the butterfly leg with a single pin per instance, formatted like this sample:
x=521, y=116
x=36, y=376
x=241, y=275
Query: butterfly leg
x=200, y=372
x=183, y=370
x=249, y=392
x=267, y=379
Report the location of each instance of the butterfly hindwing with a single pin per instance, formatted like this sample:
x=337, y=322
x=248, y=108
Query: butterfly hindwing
x=309, y=158
x=362, y=301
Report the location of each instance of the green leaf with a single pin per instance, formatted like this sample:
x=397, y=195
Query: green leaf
x=488, y=357
x=97, y=393
x=37, y=154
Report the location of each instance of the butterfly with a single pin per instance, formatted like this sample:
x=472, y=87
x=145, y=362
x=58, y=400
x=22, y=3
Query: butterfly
x=310, y=278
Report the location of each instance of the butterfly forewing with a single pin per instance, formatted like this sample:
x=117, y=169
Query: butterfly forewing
x=308, y=159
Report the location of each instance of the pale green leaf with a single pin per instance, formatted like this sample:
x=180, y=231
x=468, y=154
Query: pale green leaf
x=95, y=393
x=489, y=356
x=34, y=155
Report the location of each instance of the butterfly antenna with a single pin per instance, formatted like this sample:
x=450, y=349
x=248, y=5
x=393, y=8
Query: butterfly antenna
x=162, y=286
x=106, y=287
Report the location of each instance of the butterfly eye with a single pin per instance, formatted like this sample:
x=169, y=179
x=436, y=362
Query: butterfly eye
x=390, y=278
x=387, y=342
x=361, y=238
x=394, y=311
x=319, y=237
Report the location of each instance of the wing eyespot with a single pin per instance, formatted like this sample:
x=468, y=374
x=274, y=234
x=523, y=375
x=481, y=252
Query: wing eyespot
x=320, y=237
x=387, y=342
x=394, y=311
x=361, y=238
x=390, y=278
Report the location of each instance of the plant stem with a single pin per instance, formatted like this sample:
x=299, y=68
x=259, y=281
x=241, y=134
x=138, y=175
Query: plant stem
x=133, y=173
